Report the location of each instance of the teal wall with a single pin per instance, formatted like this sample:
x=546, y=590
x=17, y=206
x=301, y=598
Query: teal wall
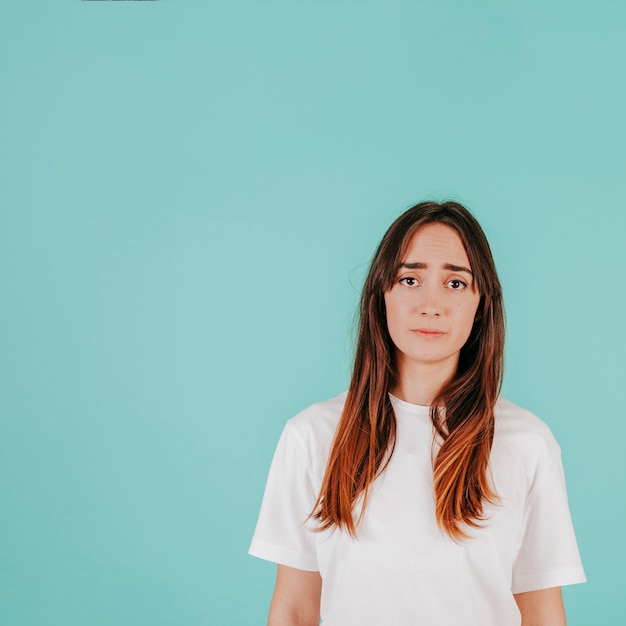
x=190, y=194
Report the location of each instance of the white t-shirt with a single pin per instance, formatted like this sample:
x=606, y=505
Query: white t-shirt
x=401, y=569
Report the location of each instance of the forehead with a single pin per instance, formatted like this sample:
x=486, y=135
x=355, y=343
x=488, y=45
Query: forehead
x=435, y=243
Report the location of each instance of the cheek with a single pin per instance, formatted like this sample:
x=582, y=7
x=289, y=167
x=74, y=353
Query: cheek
x=468, y=316
x=393, y=313
x=394, y=307
x=465, y=313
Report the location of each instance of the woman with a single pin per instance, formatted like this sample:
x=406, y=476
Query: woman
x=420, y=496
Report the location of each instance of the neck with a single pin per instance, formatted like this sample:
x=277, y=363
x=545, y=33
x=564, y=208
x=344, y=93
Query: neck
x=419, y=383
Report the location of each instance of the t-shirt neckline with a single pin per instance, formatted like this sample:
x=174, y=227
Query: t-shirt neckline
x=407, y=407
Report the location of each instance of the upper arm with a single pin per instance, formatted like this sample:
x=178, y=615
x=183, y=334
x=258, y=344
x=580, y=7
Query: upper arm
x=296, y=599
x=543, y=607
x=548, y=554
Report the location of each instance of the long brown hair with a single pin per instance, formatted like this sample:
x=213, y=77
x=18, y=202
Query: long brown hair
x=461, y=412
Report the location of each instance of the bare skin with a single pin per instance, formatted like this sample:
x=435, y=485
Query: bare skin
x=541, y=608
x=296, y=599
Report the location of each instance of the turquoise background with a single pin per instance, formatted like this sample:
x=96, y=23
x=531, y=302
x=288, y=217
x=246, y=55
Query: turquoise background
x=190, y=195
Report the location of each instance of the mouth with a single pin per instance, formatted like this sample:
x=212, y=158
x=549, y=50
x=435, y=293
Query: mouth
x=428, y=332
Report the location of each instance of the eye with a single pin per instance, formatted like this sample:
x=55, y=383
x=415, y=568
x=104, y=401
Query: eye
x=457, y=285
x=409, y=281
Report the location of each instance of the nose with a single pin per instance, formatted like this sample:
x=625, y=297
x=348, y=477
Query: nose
x=430, y=303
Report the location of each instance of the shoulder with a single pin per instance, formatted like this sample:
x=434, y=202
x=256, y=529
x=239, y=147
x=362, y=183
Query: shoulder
x=308, y=436
x=315, y=426
x=512, y=420
x=318, y=421
x=523, y=437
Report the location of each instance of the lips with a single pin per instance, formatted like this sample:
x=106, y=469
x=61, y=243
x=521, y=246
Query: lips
x=428, y=332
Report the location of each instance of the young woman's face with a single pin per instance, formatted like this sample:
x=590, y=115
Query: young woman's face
x=432, y=304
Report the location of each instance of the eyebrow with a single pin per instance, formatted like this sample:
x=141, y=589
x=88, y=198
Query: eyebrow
x=446, y=266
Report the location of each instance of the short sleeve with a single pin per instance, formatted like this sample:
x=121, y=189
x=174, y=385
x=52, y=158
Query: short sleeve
x=283, y=532
x=548, y=554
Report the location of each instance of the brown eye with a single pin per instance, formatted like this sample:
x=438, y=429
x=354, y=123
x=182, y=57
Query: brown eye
x=457, y=285
x=408, y=281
